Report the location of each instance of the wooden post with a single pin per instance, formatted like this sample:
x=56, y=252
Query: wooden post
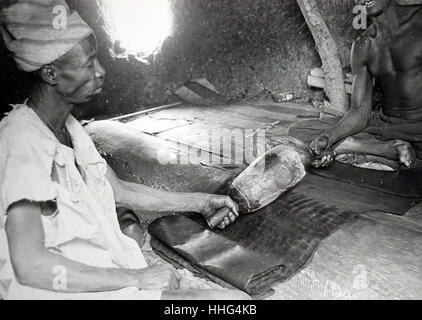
x=329, y=54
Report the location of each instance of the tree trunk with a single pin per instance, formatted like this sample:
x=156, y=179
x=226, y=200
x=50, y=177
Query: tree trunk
x=329, y=54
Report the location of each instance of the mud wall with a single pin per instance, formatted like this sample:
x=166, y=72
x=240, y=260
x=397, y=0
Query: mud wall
x=243, y=47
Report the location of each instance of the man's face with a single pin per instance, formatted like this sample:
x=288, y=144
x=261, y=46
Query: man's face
x=80, y=74
x=376, y=7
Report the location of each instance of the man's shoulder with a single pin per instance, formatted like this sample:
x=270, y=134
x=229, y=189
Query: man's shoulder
x=363, y=46
x=18, y=129
x=363, y=42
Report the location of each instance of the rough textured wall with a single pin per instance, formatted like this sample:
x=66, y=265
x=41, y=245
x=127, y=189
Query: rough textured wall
x=338, y=15
x=13, y=84
x=247, y=46
x=242, y=46
x=255, y=45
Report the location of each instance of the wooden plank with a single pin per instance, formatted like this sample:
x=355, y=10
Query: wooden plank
x=289, y=108
x=257, y=113
x=320, y=83
x=151, y=125
x=289, y=105
x=234, y=147
x=125, y=116
x=205, y=119
x=264, y=110
x=223, y=118
x=196, y=135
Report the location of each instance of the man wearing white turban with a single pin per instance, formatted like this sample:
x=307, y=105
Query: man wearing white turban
x=59, y=233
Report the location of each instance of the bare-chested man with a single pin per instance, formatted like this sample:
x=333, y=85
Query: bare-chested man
x=390, y=54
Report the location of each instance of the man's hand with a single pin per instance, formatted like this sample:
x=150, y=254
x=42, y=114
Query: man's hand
x=325, y=161
x=319, y=145
x=158, y=277
x=322, y=151
x=216, y=202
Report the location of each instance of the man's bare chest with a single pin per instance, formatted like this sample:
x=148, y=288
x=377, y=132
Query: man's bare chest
x=396, y=54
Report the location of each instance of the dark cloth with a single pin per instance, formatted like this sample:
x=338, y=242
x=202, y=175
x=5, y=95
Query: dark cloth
x=126, y=217
x=381, y=126
x=401, y=183
x=273, y=244
x=258, y=250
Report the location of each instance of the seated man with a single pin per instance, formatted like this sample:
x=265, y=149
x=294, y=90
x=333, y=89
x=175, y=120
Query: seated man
x=59, y=233
x=389, y=52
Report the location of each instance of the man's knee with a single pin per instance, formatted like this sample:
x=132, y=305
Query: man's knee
x=308, y=130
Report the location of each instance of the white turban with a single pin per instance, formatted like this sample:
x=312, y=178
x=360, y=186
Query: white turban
x=38, y=32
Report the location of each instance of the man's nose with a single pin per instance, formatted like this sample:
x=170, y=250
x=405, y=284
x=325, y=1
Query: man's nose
x=99, y=70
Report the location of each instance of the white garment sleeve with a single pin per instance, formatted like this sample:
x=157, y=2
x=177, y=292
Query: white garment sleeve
x=25, y=170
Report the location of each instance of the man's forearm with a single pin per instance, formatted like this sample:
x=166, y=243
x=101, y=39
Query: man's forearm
x=353, y=122
x=52, y=272
x=140, y=197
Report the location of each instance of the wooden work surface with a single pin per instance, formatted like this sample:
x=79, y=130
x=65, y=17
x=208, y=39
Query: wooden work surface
x=376, y=257
x=191, y=125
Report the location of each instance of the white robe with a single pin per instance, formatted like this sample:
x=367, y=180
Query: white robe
x=36, y=167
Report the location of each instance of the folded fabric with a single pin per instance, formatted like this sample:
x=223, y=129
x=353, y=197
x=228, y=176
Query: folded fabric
x=256, y=252
x=273, y=244
x=251, y=271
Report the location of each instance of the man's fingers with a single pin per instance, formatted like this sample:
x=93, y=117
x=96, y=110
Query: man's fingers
x=232, y=217
x=316, y=163
x=315, y=149
x=176, y=274
x=232, y=206
x=319, y=145
x=176, y=283
x=173, y=284
x=226, y=221
x=326, y=161
x=173, y=272
x=174, y=279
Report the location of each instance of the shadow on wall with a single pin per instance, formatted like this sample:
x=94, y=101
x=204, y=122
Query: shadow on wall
x=241, y=46
x=14, y=84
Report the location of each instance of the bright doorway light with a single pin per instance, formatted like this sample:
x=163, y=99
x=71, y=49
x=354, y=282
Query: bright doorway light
x=140, y=26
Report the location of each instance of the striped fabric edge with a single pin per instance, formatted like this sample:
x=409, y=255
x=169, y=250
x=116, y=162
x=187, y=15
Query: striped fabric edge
x=41, y=3
x=19, y=24
x=26, y=42
x=40, y=35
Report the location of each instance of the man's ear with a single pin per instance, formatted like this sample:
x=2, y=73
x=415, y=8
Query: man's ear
x=49, y=74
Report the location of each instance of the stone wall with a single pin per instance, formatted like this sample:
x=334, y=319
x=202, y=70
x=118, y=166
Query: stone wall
x=243, y=47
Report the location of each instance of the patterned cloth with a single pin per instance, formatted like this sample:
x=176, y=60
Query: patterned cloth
x=39, y=32
x=36, y=167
